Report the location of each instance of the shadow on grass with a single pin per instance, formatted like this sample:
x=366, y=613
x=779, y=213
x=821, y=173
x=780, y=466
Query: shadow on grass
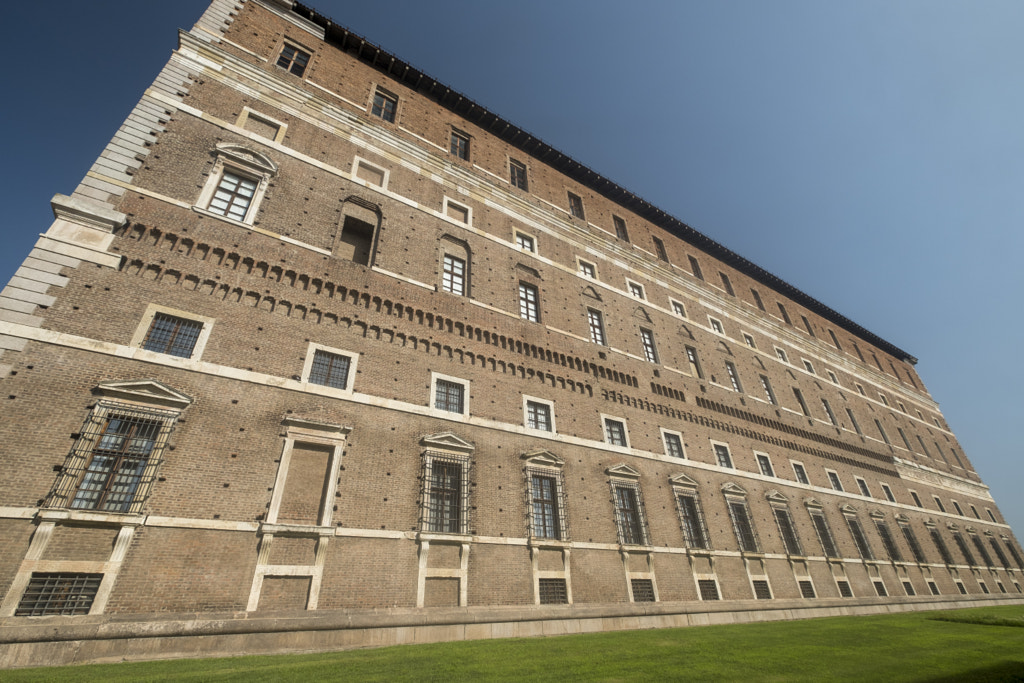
x=997, y=673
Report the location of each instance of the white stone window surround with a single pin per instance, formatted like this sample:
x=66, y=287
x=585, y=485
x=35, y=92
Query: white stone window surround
x=551, y=413
x=604, y=429
x=714, y=454
x=248, y=113
x=242, y=161
x=673, y=304
x=147, y=321
x=434, y=377
x=636, y=290
x=358, y=162
x=716, y=326
x=781, y=354
x=307, y=366
x=531, y=239
x=829, y=475
x=664, y=441
x=803, y=467
x=448, y=201
x=771, y=465
x=579, y=268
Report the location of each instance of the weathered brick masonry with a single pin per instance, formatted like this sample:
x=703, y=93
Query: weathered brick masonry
x=321, y=354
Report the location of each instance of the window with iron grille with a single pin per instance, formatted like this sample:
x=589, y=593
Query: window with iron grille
x=620, y=229
x=552, y=592
x=762, y=591
x=293, y=60
x=114, y=460
x=329, y=369
x=734, y=376
x=172, y=335
x=844, y=589
x=659, y=249
x=880, y=589
x=1013, y=551
x=517, y=174
x=629, y=514
x=538, y=416
x=768, y=391
x=596, y=325
x=859, y=539
x=694, y=361
x=459, y=145
x=691, y=517
x=528, y=298
x=449, y=396
x=915, y=547
x=940, y=545
x=445, y=493
x=673, y=445
x=742, y=525
x=787, y=531
x=984, y=588
x=964, y=550
x=982, y=551
x=800, y=473
x=453, y=277
x=546, y=504
x=695, y=268
x=960, y=587
x=828, y=545
x=887, y=541
x=615, y=432
x=650, y=353
x=806, y=589
x=723, y=456
x=58, y=593
x=233, y=196
x=909, y=588
x=384, y=105
x=765, y=463
x=643, y=590
x=933, y=588
x=576, y=206
x=708, y=589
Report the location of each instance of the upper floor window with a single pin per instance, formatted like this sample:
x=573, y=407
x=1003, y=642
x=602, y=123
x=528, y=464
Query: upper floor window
x=293, y=60
x=863, y=486
x=765, y=464
x=576, y=206
x=525, y=242
x=539, y=414
x=615, y=432
x=888, y=493
x=828, y=411
x=385, y=105
x=329, y=368
x=450, y=394
x=629, y=514
x=445, y=498
x=620, y=229
x=734, y=376
x=809, y=367
x=716, y=325
x=787, y=530
x=596, y=325
x=727, y=284
x=722, y=455
x=172, y=332
x=587, y=270
x=636, y=290
x=459, y=145
x=237, y=183
x=785, y=314
x=757, y=298
x=650, y=352
x=833, y=479
x=800, y=400
x=678, y=309
x=528, y=302
x=233, y=195
x=659, y=249
x=781, y=353
x=835, y=340
x=768, y=391
x=800, y=473
x=694, y=362
x=517, y=174
x=749, y=340
x=691, y=517
x=695, y=268
x=807, y=324
x=832, y=377
x=547, y=507
x=453, y=277
x=742, y=524
x=673, y=444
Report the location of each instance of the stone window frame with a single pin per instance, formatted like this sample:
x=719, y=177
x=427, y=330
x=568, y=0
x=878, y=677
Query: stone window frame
x=541, y=462
x=298, y=48
x=241, y=161
x=737, y=495
x=862, y=487
x=449, y=202
x=733, y=373
x=716, y=326
x=808, y=366
x=582, y=265
x=771, y=467
x=521, y=238
x=853, y=524
x=678, y=308
x=518, y=175
x=576, y=209
x=152, y=310
x=460, y=458
x=527, y=400
x=799, y=467
x=437, y=376
x=728, y=452
x=623, y=476
x=748, y=339
x=834, y=481
x=249, y=113
x=781, y=354
x=467, y=147
x=307, y=366
x=636, y=290
x=359, y=162
x=596, y=327
x=386, y=96
x=684, y=486
x=650, y=348
x=815, y=510
x=665, y=433
x=605, y=419
x=780, y=504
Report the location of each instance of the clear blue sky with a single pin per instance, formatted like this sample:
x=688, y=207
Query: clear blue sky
x=870, y=153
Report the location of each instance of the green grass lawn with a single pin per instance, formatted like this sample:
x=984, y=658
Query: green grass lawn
x=981, y=644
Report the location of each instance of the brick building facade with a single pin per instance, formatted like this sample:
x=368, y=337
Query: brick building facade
x=318, y=337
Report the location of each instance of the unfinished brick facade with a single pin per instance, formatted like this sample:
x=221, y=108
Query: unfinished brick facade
x=318, y=336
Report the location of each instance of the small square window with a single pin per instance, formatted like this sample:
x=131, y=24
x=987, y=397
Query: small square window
x=800, y=473
x=765, y=464
x=833, y=479
x=450, y=394
x=659, y=249
x=749, y=341
x=596, y=324
x=722, y=455
x=781, y=353
x=576, y=206
x=716, y=326
x=635, y=290
x=459, y=145
x=650, y=352
x=539, y=414
x=172, y=335
x=384, y=106
x=587, y=270
x=458, y=212
x=293, y=60
x=525, y=242
x=678, y=308
x=673, y=444
x=620, y=229
x=330, y=369
x=528, y=303
x=615, y=432
x=517, y=174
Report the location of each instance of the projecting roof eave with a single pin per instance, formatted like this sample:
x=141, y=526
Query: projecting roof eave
x=458, y=103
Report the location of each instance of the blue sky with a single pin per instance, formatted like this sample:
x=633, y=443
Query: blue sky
x=870, y=153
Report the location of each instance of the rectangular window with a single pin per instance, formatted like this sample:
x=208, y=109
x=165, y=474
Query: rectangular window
x=765, y=463
x=883, y=399
x=781, y=353
x=917, y=501
x=695, y=268
x=525, y=242
x=800, y=473
x=694, y=362
x=596, y=325
x=576, y=206
x=538, y=416
x=828, y=545
x=716, y=326
x=940, y=545
x=659, y=249
x=233, y=196
x=384, y=105
x=528, y=309
x=835, y=340
x=708, y=589
x=888, y=493
x=909, y=588
x=975, y=511
x=329, y=369
x=446, y=496
x=828, y=411
x=727, y=284
x=457, y=212
x=833, y=479
x=982, y=551
x=742, y=526
x=863, y=486
x=635, y=290
x=768, y=391
x=293, y=60
x=906, y=441
x=643, y=590
x=785, y=314
x=620, y=229
x=121, y=462
x=172, y=335
x=938, y=504
x=749, y=341
x=880, y=589
x=1005, y=563
x=723, y=456
x=449, y=396
x=757, y=298
x=964, y=550
x=546, y=506
x=453, y=279
x=673, y=445
x=615, y=432
x=691, y=516
x=734, y=376
x=800, y=399
x=859, y=539
x=588, y=270
x=885, y=437
x=832, y=377
x=552, y=592
x=887, y=541
x=679, y=309
x=809, y=367
x=991, y=516
x=517, y=174
x=650, y=352
x=844, y=589
x=787, y=531
x=372, y=175
x=911, y=539
x=460, y=145
x=807, y=324
x=58, y=593
x=924, y=449
x=628, y=515
x=806, y=589
x=853, y=421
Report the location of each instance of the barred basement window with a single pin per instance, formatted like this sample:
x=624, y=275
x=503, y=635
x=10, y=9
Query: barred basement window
x=172, y=335
x=964, y=550
x=909, y=588
x=984, y=588
x=58, y=593
x=880, y=589
x=915, y=547
x=789, y=538
x=643, y=590
x=596, y=325
x=933, y=588
x=445, y=500
x=695, y=533
x=762, y=591
x=293, y=60
x=384, y=105
x=828, y=545
x=859, y=539
x=887, y=541
x=742, y=525
x=113, y=463
x=453, y=278
x=629, y=514
x=552, y=592
x=329, y=369
x=844, y=589
x=547, y=504
x=708, y=589
x=807, y=589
